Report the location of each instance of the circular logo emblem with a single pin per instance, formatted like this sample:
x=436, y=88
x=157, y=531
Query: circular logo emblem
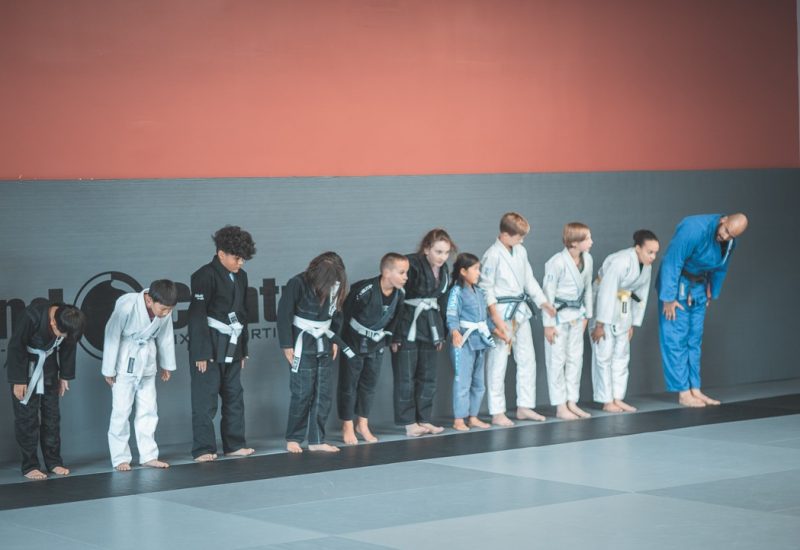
x=96, y=299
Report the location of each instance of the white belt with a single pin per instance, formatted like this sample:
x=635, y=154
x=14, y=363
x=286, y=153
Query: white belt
x=234, y=330
x=316, y=329
x=480, y=326
x=37, y=377
x=419, y=305
x=374, y=335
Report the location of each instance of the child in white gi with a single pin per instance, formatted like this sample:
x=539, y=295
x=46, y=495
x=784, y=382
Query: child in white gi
x=511, y=292
x=138, y=336
x=568, y=286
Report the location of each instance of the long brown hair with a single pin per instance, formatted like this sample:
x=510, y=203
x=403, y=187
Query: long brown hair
x=323, y=272
x=434, y=235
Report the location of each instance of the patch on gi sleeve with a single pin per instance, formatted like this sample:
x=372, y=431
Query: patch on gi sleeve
x=199, y=297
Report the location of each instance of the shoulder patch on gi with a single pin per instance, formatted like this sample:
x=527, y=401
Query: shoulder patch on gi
x=199, y=297
x=364, y=290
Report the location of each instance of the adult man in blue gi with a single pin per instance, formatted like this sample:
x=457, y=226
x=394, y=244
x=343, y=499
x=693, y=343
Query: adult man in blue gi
x=690, y=276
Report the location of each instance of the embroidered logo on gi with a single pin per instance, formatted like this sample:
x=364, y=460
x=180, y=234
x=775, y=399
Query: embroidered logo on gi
x=199, y=297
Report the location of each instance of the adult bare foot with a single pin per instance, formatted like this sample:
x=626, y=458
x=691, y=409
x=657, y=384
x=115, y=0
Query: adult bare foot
x=244, y=451
x=323, y=448
x=525, y=413
x=36, y=475
x=294, y=447
x=575, y=409
x=460, y=425
x=501, y=420
x=362, y=428
x=612, y=408
x=208, y=457
x=703, y=397
x=430, y=428
x=624, y=406
x=123, y=467
x=349, y=433
x=155, y=463
x=563, y=412
x=415, y=430
x=475, y=422
x=60, y=471
x=686, y=399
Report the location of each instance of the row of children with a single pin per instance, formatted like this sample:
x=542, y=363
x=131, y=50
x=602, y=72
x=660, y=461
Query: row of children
x=485, y=305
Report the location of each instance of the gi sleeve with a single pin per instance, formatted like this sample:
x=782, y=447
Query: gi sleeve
x=532, y=287
x=286, y=309
x=642, y=291
x=66, y=360
x=679, y=250
x=607, y=292
x=588, y=298
x=718, y=275
x=200, y=348
x=488, y=274
x=244, y=337
x=17, y=356
x=553, y=271
x=113, y=335
x=393, y=323
x=454, y=309
x=165, y=346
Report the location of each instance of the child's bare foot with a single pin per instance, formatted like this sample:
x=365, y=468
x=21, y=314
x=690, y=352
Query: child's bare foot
x=612, y=407
x=458, y=424
x=703, y=397
x=475, y=422
x=294, y=447
x=362, y=427
x=244, y=451
x=686, y=399
x=501, y=420
x=575, y=409
x=60, y=471
x=323, y=448
x=155, y=463
x=624, y=406
x=563, y=412
x=415, y=430
x=36, y=475
x=123, y=467
x=430, y=428
x=525, y=413
x=208, y=457
x=348, y=433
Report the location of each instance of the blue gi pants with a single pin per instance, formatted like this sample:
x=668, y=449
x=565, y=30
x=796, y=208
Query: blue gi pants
x=468, y=383
x=681, y=340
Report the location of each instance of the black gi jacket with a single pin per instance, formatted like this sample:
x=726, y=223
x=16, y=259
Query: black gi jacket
x=365, y=304
x=215, y=295
x=298, y=298
x=422, y=284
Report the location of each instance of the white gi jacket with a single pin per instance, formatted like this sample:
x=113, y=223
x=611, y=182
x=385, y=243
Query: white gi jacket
x=563, y=280
x=618, y=277
x=505, y=274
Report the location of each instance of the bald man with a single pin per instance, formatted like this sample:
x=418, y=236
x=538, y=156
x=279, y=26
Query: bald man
x=691, y=275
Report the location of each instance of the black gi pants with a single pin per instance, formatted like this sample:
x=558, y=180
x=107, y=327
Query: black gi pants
x=358, y=378
x=310, y=402
x=414, y=367
x=38, y=422
x=221, y=380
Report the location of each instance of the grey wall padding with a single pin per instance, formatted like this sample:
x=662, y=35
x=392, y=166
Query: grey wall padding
x=60, y=237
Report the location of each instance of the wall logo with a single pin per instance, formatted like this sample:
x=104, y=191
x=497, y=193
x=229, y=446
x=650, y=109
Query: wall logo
x=96, y=299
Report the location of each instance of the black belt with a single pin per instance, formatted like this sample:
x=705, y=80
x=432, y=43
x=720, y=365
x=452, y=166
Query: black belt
x=694, y=278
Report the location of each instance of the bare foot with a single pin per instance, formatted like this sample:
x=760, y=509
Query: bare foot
x=208, y=457
x=362, y=428
x=123, y=467
x=458, y=424
x=703, y=397
x=475, y=422
x=612, y=408
x=36, y=475
x=563, y=412
x=501, y=420
x=244, y=451
x=324, y=448
x=60, y=471
x=524, y=413
x=348, y=433
x=686, y=399
x=624, y=406
x=415, y=430
x=430, y=428
x=294, y=447
x=574, y=408
x=155, y=463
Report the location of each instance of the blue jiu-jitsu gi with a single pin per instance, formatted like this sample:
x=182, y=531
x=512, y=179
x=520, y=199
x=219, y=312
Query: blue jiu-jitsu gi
x=693, y=269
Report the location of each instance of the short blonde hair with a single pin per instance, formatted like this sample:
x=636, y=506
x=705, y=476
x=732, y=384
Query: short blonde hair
x=514, y=224
x=575, y=232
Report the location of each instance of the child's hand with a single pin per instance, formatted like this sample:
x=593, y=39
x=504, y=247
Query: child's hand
x=548, y=307
x=244, y=361
x=334, y=350
x=110, y=380
x=202, y=365
x=458, y=340
x=165, y=375
x=63, y=387
x=19, y=391
x=550, y=334
x=394, y=346
x=599, y=333
x=289, y=354
x=630, y=334
x=585, y=323
x=502, y=330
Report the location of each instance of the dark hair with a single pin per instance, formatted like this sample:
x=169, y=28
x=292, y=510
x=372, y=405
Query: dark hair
x=70, y=320
x=164, y=292
x=390, y=259
x=643, y=235
x=465, y=260
x=234, y=240
x=323, y=272
x=435, y=235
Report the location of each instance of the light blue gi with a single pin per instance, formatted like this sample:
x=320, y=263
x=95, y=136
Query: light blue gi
x=694, y=249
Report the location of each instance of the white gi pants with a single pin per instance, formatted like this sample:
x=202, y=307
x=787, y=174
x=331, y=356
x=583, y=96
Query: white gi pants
x=610, y=358
x=123, y=394
x=496, y=362
x=564, y=359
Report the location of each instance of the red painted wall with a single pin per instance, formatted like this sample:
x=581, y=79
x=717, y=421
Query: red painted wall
x=214, y=88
